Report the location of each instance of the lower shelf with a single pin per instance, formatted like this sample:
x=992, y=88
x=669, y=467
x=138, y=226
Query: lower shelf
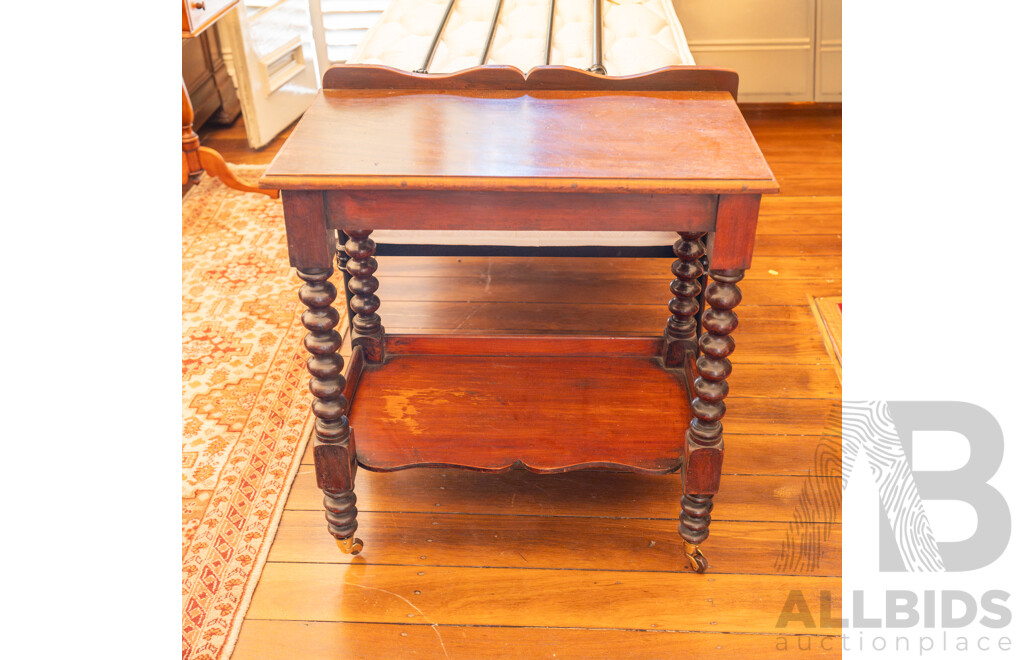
x=547, y=413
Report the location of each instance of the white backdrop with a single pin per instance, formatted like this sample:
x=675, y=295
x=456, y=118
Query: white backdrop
x=932, y=257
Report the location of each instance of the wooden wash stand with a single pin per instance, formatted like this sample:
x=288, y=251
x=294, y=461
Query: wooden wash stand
x=490, y=148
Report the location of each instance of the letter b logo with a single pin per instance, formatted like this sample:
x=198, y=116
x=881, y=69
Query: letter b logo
x=884, y=433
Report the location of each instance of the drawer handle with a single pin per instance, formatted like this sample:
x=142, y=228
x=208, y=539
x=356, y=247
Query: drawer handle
x=198, y=5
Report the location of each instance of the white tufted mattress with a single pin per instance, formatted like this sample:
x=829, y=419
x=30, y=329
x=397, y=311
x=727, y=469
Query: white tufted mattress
x=637, y=36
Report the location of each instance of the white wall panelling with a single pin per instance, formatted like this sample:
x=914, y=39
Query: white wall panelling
x=775, y=45
x=828, y=85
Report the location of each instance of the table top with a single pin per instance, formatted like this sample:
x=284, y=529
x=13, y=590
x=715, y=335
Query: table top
x=604, y=140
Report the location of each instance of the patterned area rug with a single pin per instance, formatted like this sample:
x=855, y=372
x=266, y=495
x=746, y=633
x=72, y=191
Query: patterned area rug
x=245, y=403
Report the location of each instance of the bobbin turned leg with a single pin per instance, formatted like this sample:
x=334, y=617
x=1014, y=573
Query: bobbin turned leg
x=693, y=527
x=681, y=329
x=341, y=257
x=334, y=443
x=367, y=330
x=704, y=445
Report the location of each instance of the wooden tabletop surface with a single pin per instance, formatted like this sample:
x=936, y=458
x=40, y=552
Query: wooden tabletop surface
x=517, y=140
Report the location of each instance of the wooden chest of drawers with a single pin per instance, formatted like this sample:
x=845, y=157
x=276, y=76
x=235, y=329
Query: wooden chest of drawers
x=197, y=15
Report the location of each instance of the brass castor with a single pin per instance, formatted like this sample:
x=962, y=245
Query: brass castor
x=698, y=562
x=351, y=545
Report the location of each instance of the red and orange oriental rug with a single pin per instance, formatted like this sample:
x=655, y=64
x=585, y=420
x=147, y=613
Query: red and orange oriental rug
x=245, y=403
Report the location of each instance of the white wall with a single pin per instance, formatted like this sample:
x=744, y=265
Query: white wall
x=784, y=50
x=829, y=84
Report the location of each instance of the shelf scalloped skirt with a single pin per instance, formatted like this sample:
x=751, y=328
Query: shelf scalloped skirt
x=573, y=403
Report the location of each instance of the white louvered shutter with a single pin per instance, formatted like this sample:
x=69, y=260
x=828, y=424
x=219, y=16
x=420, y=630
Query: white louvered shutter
x=339, y=26
x=270, y=54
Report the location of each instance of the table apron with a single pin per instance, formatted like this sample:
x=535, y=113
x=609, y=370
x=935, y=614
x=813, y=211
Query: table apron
x=538, y=211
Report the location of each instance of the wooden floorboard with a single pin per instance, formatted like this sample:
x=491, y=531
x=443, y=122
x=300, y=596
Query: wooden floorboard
x=588, y=564
x=618, y=600
x=622, y=291
x=542, y=541
x=772, y=334
x=590, y=494
x=287, y=640
x=774, y=269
